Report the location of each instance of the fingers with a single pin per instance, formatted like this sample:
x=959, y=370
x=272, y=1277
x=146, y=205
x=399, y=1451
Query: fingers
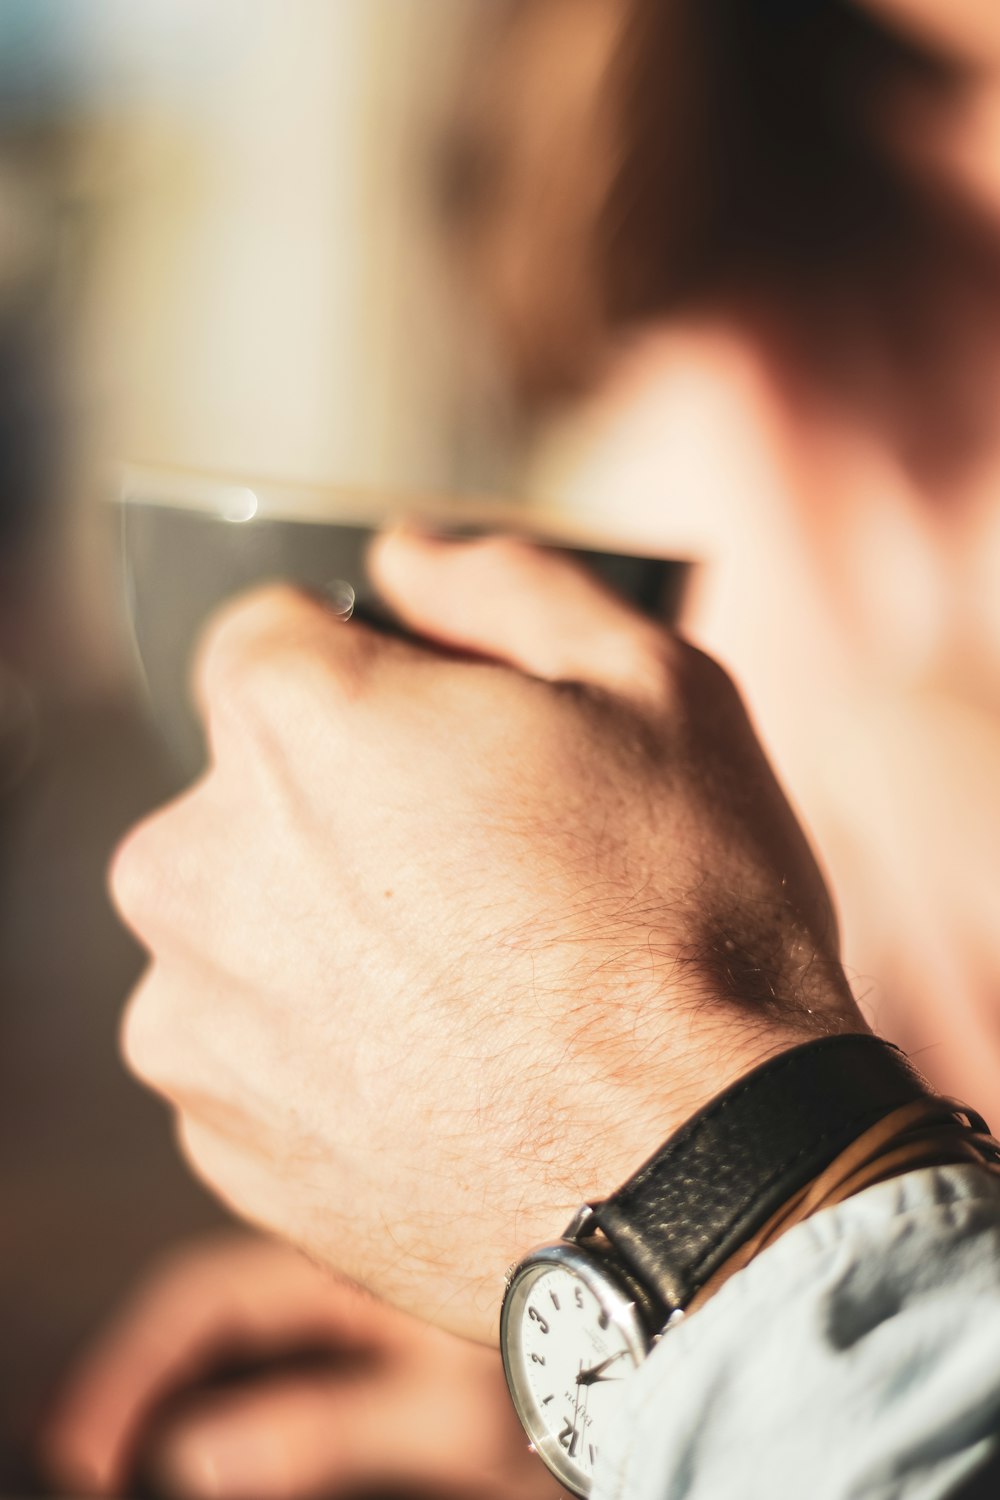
x=267, y=658
x=529, y=606
x=275, y=1440
x=274, y=676
x=288, y=1438
x=189, y=1313
x=311, y=1435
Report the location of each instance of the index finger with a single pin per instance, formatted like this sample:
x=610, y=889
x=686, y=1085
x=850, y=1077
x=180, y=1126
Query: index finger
x=528, y=606
x=262, y=657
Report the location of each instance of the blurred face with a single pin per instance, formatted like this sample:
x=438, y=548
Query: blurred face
x=535, y=154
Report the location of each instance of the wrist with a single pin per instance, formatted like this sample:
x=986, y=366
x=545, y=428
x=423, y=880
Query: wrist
x=739, y=999
x=703, y=1061
x=630, y=1264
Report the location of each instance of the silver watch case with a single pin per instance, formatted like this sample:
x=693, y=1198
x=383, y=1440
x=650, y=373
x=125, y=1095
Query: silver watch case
x=622, y=1301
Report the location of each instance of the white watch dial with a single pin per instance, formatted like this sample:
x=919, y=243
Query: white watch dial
x=570, y=1345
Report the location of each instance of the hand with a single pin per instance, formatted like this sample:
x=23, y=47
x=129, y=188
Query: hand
x=408, y=1405
x=442, y=949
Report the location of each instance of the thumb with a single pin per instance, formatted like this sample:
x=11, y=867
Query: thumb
x=273, y=1440
x=312, y=1435
x=531, y=607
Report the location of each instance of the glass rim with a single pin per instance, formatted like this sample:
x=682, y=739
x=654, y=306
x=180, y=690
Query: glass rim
x=235, y=498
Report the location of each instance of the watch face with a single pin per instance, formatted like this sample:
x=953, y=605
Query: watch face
x=570, y=1338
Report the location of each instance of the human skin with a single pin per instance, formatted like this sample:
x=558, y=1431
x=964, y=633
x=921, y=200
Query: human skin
x=407, y=1405
x=443, y=945
x=965, y=30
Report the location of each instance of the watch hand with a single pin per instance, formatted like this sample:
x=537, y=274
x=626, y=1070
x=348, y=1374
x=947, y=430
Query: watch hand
x=596, y=1372
x=571, y=1450
x=586, y=1403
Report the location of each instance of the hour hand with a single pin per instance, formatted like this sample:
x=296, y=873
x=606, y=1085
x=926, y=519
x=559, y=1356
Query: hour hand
x=596, y=1372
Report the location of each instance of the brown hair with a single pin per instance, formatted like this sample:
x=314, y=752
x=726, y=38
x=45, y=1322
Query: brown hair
x=707, y=152
x=524, y=180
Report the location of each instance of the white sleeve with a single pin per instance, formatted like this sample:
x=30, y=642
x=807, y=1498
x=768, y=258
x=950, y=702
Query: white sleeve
x=857, y=1359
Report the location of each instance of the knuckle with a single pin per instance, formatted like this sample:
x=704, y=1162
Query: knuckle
x=704, y=675
x=242, y=636
x=137, y=879
x=704, y=697
x=161, y=1040
x=650, y=648
x=272, y=655
x=157, y=871
x=142, y=1032
x=645, y=657
x=252, y=618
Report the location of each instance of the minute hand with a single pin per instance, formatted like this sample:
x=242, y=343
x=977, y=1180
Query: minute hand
x=596, y=1372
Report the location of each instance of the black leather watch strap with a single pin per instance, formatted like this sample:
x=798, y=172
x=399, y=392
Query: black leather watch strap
x=723, y=1174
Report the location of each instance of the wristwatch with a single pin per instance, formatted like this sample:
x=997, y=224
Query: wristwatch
x=580, y=1314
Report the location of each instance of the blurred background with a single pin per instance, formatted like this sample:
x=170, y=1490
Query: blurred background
x=215, y=250
x=722, y=281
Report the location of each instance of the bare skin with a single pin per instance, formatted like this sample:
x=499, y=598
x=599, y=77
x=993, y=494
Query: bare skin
x=958, y=149
x=443, y=947
x=408, y=1405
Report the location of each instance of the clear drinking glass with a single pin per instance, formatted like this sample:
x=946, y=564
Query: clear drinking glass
x=191, y=541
